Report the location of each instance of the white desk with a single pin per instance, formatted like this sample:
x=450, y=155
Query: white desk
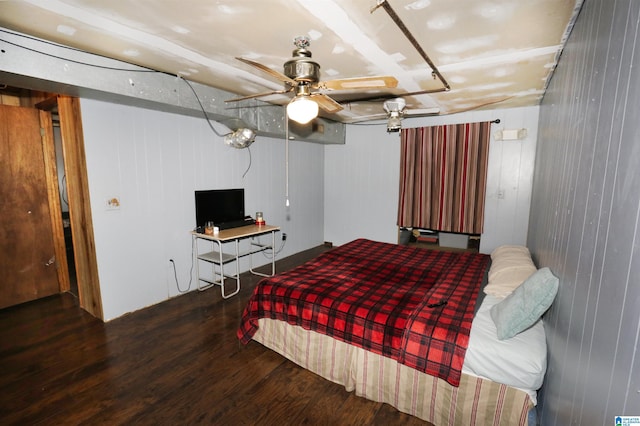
x=217, y=258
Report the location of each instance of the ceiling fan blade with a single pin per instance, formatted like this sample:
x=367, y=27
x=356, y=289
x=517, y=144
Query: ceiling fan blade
x=407, y=113
x=258, y=95
x=326, y=103
x=359, y=83
x=371, y=117
x=423, y=112
x=269, y=71
x=382, y=97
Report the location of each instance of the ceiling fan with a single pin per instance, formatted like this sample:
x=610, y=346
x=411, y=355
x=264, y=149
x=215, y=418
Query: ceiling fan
x=302, y=77
x=396, y=109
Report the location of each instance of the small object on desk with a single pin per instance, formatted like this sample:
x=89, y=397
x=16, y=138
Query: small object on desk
x=208, y=228
x=259, y=219
x=216, y=230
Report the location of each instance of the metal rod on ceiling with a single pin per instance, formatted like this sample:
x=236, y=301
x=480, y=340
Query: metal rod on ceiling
x=394, y=16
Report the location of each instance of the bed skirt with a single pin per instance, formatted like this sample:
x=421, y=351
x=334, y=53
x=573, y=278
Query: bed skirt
x=475, y=402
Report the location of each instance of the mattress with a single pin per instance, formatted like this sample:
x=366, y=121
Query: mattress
x=519, y=362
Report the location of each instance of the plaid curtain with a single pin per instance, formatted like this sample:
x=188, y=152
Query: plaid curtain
x=443, y=176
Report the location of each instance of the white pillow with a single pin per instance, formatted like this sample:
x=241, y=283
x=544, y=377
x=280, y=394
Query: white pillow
x=510, y=267
x=509, y=250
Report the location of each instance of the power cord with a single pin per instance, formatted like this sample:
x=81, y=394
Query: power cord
x=68, y=48
x=249, y=166
x=206, y=117
x=204, y=112
x=270, y=249
x=175, y=275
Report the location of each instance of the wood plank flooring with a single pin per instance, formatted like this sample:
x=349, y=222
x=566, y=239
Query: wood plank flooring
x=175, y=363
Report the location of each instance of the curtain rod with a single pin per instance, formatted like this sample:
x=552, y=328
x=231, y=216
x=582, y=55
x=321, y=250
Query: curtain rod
x=496, y=121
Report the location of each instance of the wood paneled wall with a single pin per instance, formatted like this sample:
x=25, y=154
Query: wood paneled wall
x=584, y=219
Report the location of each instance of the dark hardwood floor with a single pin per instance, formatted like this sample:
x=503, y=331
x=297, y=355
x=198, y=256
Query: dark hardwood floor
x=175, y=363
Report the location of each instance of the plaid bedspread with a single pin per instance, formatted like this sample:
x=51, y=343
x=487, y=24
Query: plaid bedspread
x=407, y=303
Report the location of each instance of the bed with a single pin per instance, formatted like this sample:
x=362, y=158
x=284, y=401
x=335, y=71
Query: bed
x=407, y=326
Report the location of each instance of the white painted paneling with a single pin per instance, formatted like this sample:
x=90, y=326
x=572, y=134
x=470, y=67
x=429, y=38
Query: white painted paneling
x=584, y=219
x=509, y=180
x=361, y=186
x=361, y=179
x=153, y=161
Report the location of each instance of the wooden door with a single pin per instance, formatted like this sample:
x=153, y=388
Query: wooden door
x=28, y=266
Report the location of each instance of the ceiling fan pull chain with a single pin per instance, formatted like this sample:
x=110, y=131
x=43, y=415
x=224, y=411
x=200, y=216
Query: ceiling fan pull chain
x=286, y=159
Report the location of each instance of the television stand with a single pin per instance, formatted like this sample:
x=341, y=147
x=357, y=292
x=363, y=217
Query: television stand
x=217, y=258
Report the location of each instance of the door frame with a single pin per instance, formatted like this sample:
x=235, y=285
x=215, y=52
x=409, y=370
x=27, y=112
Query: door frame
x=53, y=197
x=75, y=168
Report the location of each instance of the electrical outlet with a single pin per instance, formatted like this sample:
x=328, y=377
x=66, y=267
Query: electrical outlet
x=284, y=237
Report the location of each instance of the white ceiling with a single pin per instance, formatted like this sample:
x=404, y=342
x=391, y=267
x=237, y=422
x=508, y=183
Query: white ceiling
x=493, y=54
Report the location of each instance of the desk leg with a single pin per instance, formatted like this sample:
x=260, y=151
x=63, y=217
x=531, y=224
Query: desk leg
x=273, y=258
x=237, y=277
x=197, y=262
x=273, y=250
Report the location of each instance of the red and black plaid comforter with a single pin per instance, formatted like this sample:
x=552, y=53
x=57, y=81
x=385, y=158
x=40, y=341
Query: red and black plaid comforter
x=409, y=304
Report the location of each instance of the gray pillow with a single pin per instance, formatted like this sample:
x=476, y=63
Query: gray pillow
x=522, y=308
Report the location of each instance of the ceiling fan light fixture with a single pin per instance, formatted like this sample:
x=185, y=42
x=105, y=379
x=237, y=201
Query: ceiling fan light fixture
x=395, y=111
x=302, y=110
x=394, y=124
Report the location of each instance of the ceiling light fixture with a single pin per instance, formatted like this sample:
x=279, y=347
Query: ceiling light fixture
x=301, y=109
x=395, y=111
x=395, y=122
x=241, y=138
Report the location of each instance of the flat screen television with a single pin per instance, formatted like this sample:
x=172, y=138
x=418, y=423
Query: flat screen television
x=220, y=206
